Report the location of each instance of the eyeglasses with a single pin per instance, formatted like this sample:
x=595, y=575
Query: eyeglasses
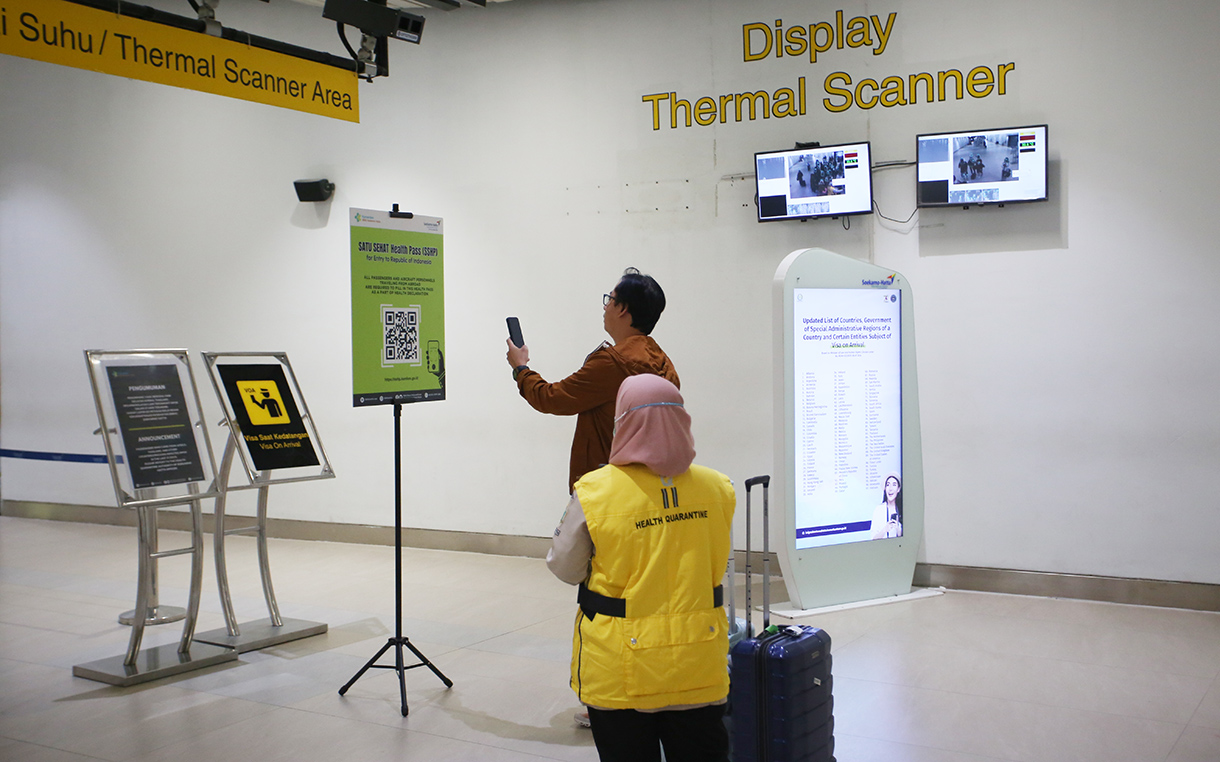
x=607, y=298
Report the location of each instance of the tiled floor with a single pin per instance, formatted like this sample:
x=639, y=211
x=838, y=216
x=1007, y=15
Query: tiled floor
x=959, y=677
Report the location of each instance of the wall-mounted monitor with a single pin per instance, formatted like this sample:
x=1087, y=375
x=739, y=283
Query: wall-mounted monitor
x=802, y=183
x=999, y=166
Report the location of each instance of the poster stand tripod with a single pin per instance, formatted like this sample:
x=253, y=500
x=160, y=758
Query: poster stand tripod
x=399, y=641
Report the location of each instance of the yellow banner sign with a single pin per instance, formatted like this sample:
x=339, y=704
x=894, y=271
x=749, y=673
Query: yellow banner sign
x=86, y=38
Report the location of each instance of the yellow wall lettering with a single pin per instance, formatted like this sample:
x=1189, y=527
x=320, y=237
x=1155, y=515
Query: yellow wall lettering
x=746, y=106
x=893, y=92
x=796, y=44
x=896, y=91
x=941, y=77
x=674, y=105
x=725, y=102
x=747, y=49
x=1002, y=71
x=857, y=33
x=655, y=99
x=835, y=108
x=759, y=40
x=783, y=104
x=979, y=81
x=929, y=87
x=810, y=40
x=752, y=99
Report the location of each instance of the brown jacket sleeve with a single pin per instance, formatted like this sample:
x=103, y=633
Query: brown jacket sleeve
x=596, y=383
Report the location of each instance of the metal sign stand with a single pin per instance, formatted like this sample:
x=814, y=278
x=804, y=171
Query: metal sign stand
x=184, y=427
x=261, y=633
x=379, y=332
x=157, y=614
x=398, y=642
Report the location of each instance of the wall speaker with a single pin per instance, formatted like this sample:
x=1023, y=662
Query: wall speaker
x=314, y=190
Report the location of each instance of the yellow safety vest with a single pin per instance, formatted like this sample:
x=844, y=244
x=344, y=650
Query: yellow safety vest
x=660, y=550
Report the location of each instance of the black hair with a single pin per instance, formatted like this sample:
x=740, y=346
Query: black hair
x=643, y=298
x=897, y=498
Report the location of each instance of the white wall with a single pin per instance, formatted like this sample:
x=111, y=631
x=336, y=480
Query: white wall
x=1067, y=350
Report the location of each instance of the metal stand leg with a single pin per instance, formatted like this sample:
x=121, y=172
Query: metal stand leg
x=264, y=564
x=162, y=661
x=264, y=632
x=155, y=613
x=196, y=589
x=398, y=642
x=145, y=580
x=218, y=541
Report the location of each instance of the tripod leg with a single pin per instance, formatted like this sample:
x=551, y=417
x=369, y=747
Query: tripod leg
x=365, y=668
x=424, y=660
x=402, y=674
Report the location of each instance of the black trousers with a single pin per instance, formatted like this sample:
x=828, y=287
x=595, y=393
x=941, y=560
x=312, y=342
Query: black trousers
x=689, y=735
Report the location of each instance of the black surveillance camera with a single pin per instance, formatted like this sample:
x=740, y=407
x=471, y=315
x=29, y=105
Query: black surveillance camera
x=375, y=20
x=410, y=27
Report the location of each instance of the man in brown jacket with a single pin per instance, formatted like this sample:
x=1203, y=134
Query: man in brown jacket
x=630, y=312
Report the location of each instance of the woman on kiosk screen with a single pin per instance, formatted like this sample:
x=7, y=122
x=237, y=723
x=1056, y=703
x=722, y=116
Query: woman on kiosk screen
x=887, y=517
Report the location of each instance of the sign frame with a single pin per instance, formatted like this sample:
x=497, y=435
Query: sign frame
x=129, y=485
x=398, y=307
x=279, y=368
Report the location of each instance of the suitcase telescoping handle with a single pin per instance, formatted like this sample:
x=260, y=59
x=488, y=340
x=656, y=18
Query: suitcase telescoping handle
x=765, y=481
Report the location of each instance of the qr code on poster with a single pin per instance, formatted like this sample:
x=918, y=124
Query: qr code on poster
x=400, y=327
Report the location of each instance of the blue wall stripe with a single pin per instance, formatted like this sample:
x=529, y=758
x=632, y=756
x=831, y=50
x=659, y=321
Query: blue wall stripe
x=68, y=457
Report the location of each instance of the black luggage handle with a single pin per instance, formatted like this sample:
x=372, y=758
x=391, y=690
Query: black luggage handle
x=765, y=481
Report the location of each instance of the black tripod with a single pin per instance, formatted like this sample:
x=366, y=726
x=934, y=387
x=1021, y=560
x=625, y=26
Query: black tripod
x=398, y=641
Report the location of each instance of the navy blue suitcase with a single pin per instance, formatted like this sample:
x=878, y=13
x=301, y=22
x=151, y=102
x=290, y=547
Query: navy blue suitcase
x=780, y=690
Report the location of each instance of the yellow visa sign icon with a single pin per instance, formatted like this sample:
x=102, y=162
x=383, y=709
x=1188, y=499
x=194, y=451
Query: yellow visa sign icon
x=264, y=404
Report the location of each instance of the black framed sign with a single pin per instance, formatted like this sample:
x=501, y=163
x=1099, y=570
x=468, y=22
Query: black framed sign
x=265, y=411
x=155, y=424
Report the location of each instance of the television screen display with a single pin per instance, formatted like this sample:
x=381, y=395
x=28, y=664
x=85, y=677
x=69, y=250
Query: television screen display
x=1001, y=166
x=847, y=407
x=827, y=181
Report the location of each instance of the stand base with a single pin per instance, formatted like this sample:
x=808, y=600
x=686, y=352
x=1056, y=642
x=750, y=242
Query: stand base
x=153, y=664
x=782, y=609
x=261, y=634
x=156, y=615
x=398, y=644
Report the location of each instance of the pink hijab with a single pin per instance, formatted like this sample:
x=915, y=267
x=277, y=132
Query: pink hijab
x=651, y=426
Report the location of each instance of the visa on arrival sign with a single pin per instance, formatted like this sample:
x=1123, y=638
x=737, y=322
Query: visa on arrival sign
x=73, y=35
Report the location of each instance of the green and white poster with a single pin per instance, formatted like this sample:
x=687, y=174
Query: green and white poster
x=398, y=308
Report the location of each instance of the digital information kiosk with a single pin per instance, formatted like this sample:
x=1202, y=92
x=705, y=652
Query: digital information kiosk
x=847, y=443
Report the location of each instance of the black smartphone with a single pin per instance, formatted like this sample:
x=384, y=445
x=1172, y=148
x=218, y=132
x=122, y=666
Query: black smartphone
x=514, y=332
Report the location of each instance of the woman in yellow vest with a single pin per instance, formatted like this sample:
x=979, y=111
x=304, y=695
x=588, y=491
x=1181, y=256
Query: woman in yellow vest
x=647, y=539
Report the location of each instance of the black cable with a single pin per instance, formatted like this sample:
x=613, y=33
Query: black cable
x=343, y=36
x=893, y=165
x=891, y=219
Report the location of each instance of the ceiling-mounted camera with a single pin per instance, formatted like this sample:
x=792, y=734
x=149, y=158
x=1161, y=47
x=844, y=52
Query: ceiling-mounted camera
x=375, y=20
